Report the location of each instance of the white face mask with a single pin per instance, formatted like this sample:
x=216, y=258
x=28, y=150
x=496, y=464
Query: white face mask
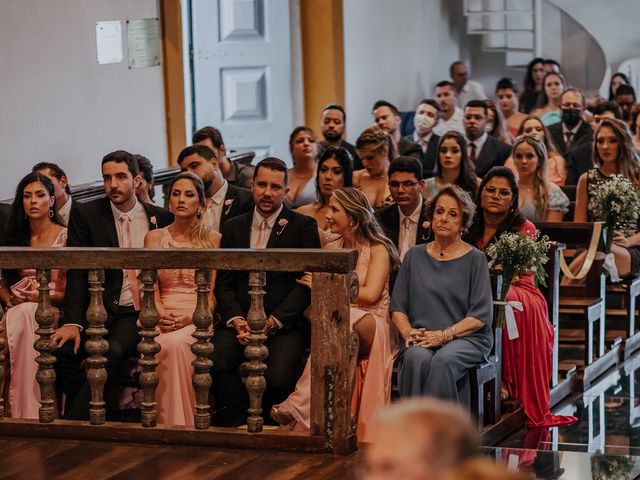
x=423, y=122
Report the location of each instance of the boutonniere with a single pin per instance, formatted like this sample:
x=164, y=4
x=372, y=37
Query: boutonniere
x=227, y=203
x=282, y=223
x=153, y=221
x=425, y=230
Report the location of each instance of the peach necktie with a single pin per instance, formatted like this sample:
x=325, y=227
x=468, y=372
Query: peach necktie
x=263, y=238
x=127, y=242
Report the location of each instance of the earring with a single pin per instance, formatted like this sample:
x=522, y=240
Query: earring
x=199, y=215
x=51, y=213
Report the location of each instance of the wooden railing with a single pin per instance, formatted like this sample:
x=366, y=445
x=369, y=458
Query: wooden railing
x=333, y=345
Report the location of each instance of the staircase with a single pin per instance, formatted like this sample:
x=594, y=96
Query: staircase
x=509, y=26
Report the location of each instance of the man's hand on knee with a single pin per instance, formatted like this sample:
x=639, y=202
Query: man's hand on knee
x=68, y=333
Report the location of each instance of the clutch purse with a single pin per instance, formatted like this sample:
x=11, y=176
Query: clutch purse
x=21, y=288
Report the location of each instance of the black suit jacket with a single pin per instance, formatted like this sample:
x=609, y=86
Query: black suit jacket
x=285, y=299
x=237, y=201
x=5, y=212
x=429, y=158
x=92, y=225
x=408, y=148
x=389, y=218
x=579, y=161
x=493, y=154
x=583, y=135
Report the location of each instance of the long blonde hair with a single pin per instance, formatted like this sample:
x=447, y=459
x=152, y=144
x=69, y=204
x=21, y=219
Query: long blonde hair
x=541, y=185
x=200, y=234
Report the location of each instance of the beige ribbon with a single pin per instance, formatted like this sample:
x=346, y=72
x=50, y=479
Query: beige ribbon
x=591, y=255
x=510, y=318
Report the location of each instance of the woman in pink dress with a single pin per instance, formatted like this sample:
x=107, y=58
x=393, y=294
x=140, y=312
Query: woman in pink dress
x=351, y=216
x=177, y=300
x=33, y=222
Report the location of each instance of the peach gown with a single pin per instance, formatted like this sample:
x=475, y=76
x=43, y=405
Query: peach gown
x=373, y=374
x=175, y=394
x=24, y=392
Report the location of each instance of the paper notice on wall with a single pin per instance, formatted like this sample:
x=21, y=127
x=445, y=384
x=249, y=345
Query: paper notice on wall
x=109, y=42
x=143, y=42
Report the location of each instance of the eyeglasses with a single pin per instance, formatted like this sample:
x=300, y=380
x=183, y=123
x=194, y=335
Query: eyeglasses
x=502, y=193
x=575, y=106
x=407, y=184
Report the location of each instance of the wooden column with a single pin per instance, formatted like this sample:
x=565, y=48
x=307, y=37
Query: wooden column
x=256, y=352
x=46, y=375
x=202, y=349
x=332, y=368
x=149, y=348
x=96, y=346
x=321, y=26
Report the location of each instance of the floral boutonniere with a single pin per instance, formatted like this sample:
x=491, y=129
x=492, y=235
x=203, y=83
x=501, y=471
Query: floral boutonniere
x=425, y=230
x=153, y=221
x=228, y=203
x=282, y=223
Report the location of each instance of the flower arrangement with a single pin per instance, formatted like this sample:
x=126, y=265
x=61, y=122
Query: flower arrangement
x=514, y=255
x=616, y=204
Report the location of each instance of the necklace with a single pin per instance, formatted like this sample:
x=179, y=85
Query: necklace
x=442, y=251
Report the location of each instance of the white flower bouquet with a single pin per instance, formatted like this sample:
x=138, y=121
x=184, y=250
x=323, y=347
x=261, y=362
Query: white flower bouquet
x=616, y=204
x=514, y=255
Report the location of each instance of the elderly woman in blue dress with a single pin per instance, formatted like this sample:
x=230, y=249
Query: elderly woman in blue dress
x=442, y=303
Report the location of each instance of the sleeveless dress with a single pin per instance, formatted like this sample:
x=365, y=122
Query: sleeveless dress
x=24, y=392
x=175, y=394
x=306, y=196
x=527, y=360
x=373, y=374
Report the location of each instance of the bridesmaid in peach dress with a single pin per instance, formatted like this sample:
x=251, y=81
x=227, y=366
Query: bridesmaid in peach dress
x=33, y=222
x=350, y=215
x=177, y=300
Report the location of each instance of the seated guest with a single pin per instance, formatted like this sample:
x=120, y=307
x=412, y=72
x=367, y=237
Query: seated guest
x=496, y=124
x=613, y=153
x=332, y=125
x=484, y=150
x=572, y=130
x=450, y=115
x=304, y=154
x=635, y=126
x=548, y=108
x=224, y=200
x=5, y=212
x=177, y=298
x=404, y=220
x=388, y=119
x=466, y=90
x=350, y=216
x=551, y=66
x=507, y=97
x=580, y=157
x=119, y=220
x=376, y=150
x=269, y=225
x=532, y=85
x=235, y=172
x=424, y=120
x=453, y=167
x=617, y=79
x=526, y=360
x=334, y=171
x=445, y=324
x=33, y=222
x=539, y=200
x=145, y=191
x=626, y=99
x=61, y=186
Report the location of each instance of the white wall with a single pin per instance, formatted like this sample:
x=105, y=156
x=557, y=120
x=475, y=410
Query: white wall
x=397, y=51
x=57, y=104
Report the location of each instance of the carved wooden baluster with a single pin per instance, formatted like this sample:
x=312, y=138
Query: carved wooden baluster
x=149, y=348
x=96, y=346
x=46, y=375
x=256, y=352
x=202, y=349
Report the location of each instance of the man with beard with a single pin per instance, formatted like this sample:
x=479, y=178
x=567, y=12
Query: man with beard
x=484, y=150
x=572, y=130
x=425, y=120
x=388, y=119
x=332, y=124
x=450, y=115
x=269, y=225
x=224, y=201
x=626, y=99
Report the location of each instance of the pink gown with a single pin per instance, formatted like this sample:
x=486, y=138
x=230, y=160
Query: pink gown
x=373, y=374
x=175, y=394
x=24, y=392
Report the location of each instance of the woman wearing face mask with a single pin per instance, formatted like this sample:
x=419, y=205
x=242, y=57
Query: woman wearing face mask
x=496, y=124
x=548, y=108
x=507, y=98
x=453, y=167
x=425, y=118
x=377, y=150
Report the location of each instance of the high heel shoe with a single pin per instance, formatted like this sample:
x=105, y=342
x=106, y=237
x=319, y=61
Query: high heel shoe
x=281, y=415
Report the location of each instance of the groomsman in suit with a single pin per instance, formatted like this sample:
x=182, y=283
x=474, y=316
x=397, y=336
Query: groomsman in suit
x=119, y=220
x=484, y=150
x=5, y=213
x=269, y=225
x=572, y=130
x=425, y=120
x=224, y=200
x=404, y=220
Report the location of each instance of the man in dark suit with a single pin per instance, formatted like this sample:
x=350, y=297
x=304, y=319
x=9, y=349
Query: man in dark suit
x=426, y=117
x=572, y=130
x=484, y=150
x=269, y=225
x=5, y=212
x=404, y=220
x=224, y=200
x=388, y=119
x=116, y=221
x=332, y=125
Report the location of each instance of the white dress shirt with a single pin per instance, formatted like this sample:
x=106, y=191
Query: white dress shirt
x=422, y=141
x=454, y=123
x=407, y=237
x=139, y=228
x=213, y=209
x=64, y=211
x=472, y=90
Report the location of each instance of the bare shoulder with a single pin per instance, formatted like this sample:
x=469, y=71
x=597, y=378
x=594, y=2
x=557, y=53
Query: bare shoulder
x=153, y=237
x=215, y=238
x=308, y=210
